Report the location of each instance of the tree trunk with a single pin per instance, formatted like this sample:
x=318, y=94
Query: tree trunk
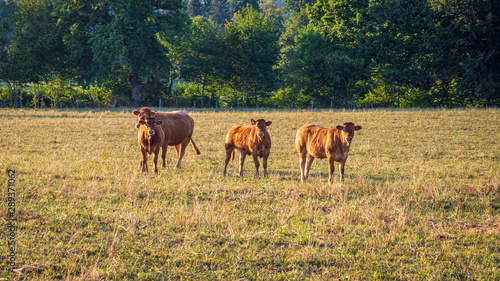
x=134, y=84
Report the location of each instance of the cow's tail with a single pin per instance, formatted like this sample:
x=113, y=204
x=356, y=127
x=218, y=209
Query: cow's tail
x=196, y=150
x=232, y=156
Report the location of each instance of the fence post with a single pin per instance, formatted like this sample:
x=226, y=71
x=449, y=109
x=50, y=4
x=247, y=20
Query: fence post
x=372, y=105
x=274, y=104
x=60, y=105
x=312, y=105
x=21, y=104
x=76, y=105
x=160, y=104
x=216, y=104
x=176, y=103
x=41, y=104
x=256, y=104
x=331, y=104
x=195, y=104
x=114, y=104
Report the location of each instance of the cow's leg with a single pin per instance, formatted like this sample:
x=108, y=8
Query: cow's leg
x=341, y=168
x=309, y=162
x=163, y=155
x=144, y=160
x=155, y=160
x=178, y=149
x=181, y=150
x=228, y=157
x=331, y=169
x=242, y=161
x=303, y=156
x=257, y=164
x=264, y=165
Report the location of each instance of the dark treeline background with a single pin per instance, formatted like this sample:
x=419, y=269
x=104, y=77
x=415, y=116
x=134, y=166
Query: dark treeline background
x=229, y=53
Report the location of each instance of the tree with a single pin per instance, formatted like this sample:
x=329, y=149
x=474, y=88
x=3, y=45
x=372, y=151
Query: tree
x=7, y=72
x=75, y=25
x=274, y=14
x=324, y=71
x=195, y=8
x=297, y=5
x=286, y=64
x=258, y=52
x=6, y=28
x=466, y=47
x=203, y=61
x=388, y=36
x=36, y=48
x=131, y=39
x=236, y=6
x=220, y=11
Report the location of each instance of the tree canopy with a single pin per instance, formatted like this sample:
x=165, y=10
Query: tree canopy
x=332, y=52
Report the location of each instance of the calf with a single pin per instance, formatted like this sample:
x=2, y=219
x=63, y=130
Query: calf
x=249, y=140
x=178, y=127
x=151, y=138
x=313, y=141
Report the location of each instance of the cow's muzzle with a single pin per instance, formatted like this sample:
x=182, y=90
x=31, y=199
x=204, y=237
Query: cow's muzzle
x=349, y=139
x=151, y=132
x=261, y=134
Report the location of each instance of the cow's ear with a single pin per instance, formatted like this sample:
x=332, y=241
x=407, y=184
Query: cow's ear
x=135, y=112
x=339, y=127
x=159, y=122
x=142, y=122
x=252, y=121
x=357, y=128
x=152, y=114
x=268, y=123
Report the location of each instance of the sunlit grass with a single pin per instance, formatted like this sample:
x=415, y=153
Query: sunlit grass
x=421, y=200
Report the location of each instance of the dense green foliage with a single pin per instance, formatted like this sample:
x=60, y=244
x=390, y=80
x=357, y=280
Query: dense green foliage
x=335, y=53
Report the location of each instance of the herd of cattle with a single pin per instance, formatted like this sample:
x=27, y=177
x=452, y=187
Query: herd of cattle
x=160, y=130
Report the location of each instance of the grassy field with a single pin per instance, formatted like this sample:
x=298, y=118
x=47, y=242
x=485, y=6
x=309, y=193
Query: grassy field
x=421, y=200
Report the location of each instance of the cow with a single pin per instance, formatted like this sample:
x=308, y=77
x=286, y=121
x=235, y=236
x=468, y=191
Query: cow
x=249, y=140
x=178, y=127
x=151, y=138
x=313, y=141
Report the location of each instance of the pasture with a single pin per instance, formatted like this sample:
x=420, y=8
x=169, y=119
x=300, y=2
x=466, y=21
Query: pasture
x=420, y=201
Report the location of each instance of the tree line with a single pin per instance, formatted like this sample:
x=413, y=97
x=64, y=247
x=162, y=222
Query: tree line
x=229, y=53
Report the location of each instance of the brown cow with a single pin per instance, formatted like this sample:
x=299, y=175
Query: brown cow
x=313, y=141
x=178, y=127
x=151, y=138
x=249, y=140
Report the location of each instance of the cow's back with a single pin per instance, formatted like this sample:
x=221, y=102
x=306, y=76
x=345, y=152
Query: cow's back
x=238, y=136
x=177, y=126
x=313, y=138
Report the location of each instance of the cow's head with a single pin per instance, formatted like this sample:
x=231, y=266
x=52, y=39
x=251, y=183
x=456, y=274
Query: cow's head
x=143, y=114
x=150, y=124
x=347, y=131
x=261, y=125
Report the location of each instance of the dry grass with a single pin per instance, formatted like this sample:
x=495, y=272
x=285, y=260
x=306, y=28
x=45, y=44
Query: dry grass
x=421, y=200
